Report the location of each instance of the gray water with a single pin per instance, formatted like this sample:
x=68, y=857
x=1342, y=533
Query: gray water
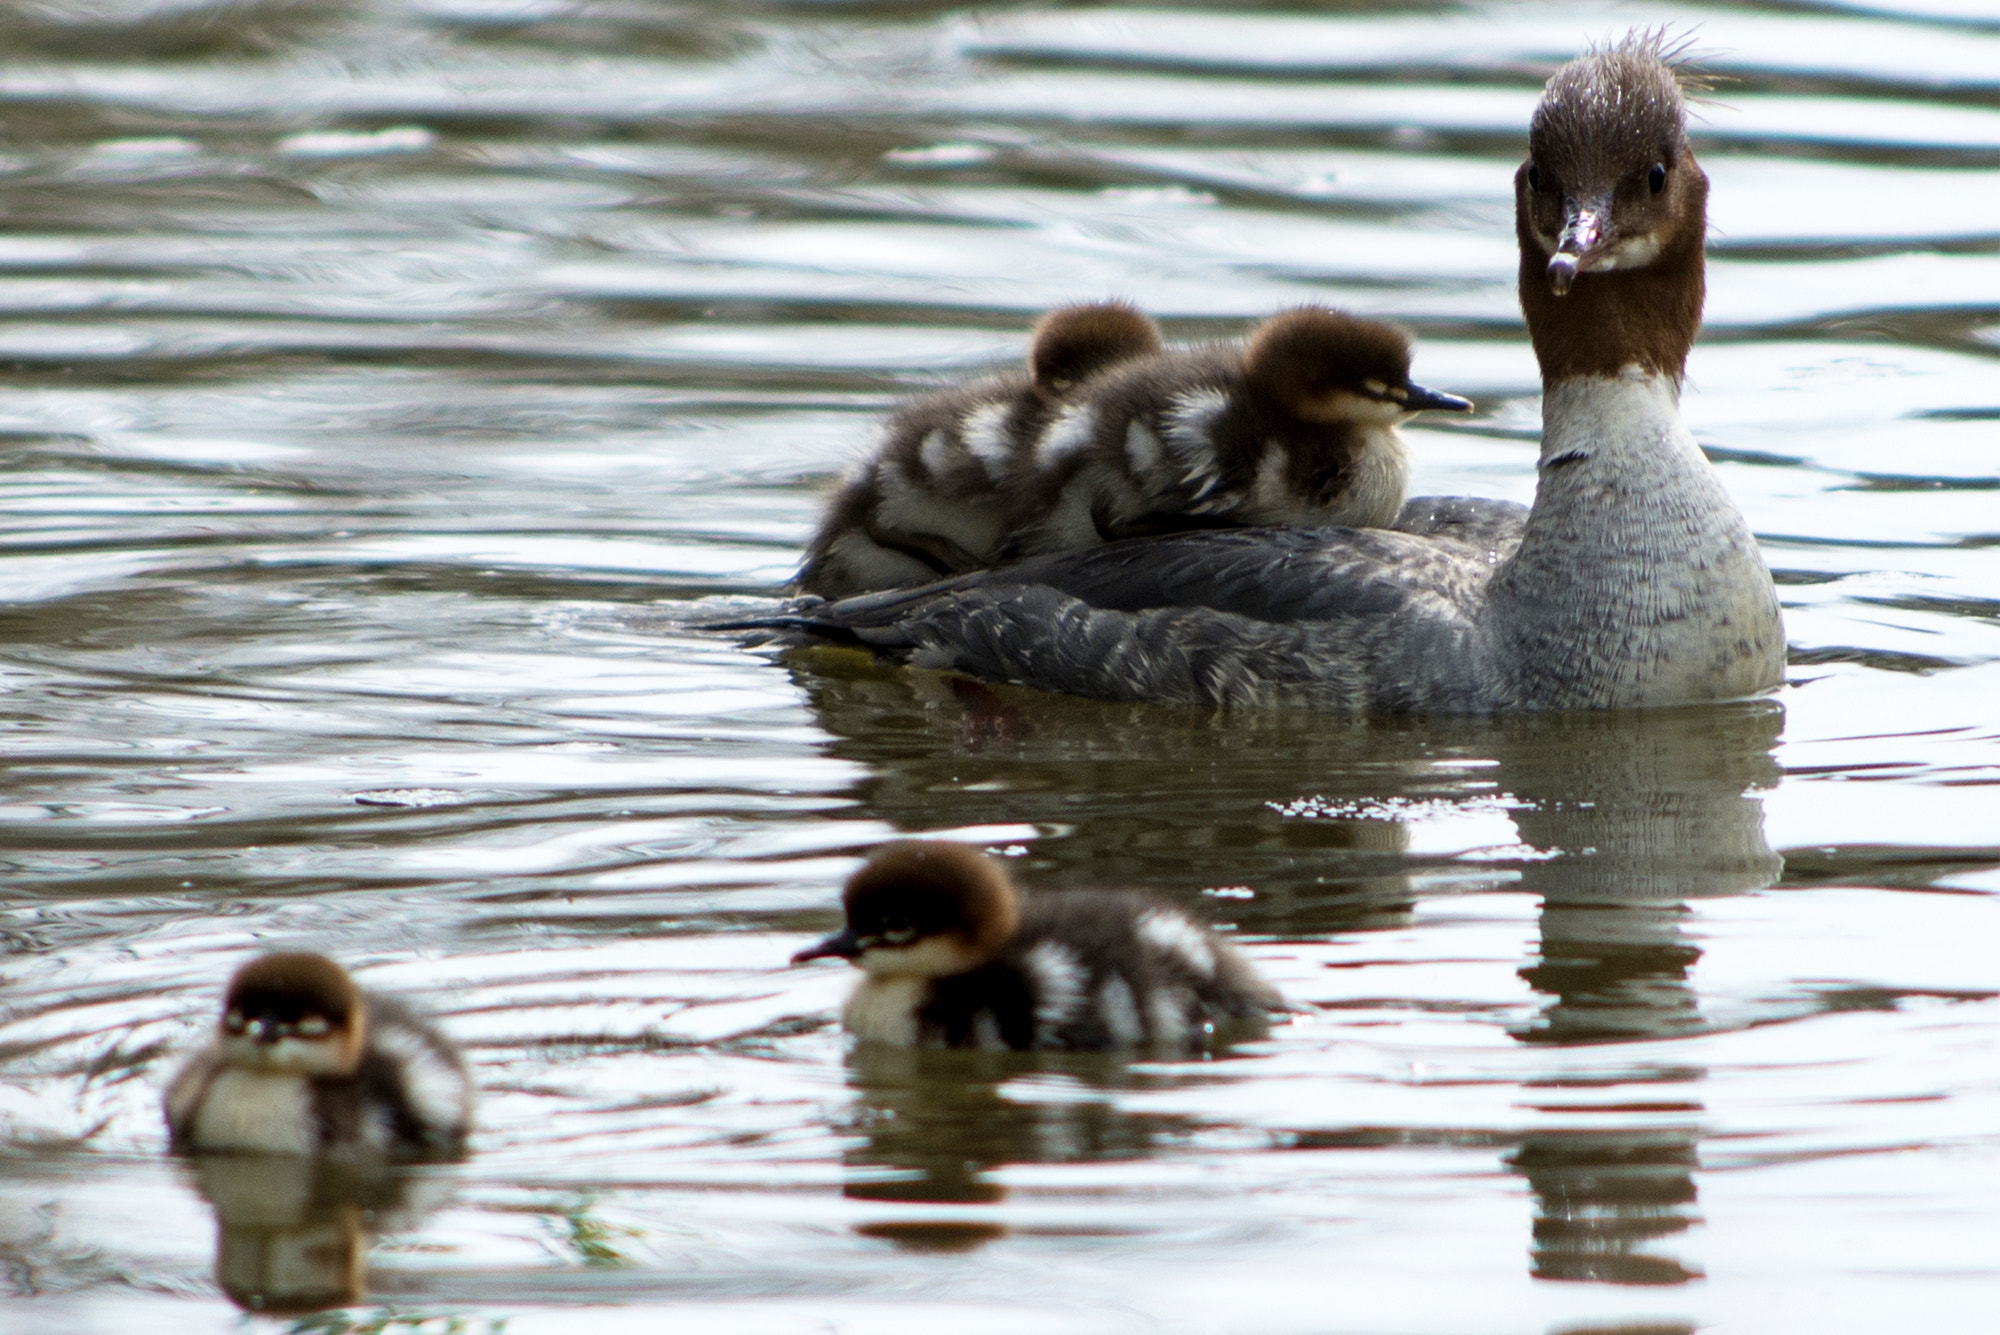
x=386, y=385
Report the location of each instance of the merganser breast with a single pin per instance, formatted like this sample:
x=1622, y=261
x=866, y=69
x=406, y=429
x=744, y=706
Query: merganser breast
x=304, y=1062
x=1632, y=581
x=954, y=956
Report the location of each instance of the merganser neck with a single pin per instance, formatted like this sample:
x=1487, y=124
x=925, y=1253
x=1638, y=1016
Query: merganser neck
x=1637, y=581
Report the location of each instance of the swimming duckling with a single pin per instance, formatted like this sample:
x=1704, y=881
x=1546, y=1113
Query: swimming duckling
x=931, y=501
x=304, y=1062
x=1634, y=580
x=1297, y=430
x=955, y=957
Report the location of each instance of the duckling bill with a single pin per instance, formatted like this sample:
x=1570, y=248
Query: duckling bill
x=954, y=956
x=302, y=1061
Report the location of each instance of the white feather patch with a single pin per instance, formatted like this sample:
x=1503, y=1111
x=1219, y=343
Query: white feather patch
x=1120, y=1012
x=1168, y=1009
x=935, y=452
x=1143, y=450
x=1066, y=437
x=1190, y=431
x=1057, y=976
x=985, y=433
x=258, y=1112
x=439, y=1095
x=883, y=1008
x=1175, y=936
x=1271, y=499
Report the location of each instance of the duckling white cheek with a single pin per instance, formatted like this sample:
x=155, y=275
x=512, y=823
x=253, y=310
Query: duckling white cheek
x=298, y=1056
x=1344, y=406
x=932, y=957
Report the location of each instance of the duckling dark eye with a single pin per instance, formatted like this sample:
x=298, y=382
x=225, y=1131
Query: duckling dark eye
x=898, y=931
x=1534, y=177
x=1657, y=178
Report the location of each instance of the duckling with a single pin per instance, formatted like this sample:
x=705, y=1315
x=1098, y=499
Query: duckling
x=930, y=502
x=1297, y=430
x=955, y=957
x=304, y=1062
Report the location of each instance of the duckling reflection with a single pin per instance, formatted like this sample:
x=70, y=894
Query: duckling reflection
x=291, y=1233
x=936, y=1123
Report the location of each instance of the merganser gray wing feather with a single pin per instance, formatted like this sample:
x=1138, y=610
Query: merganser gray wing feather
x=1247, y=617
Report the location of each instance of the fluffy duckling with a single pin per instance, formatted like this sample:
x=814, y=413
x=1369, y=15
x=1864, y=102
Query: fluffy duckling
x=955, y=957
x=304, y=1062
x=932, y=500
x=1296, y=430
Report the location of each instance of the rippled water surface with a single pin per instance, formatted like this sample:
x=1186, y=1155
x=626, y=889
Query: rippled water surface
x=386, y=384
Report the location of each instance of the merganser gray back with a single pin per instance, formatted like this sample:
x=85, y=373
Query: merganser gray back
x=1635, y=581
x=932, y=500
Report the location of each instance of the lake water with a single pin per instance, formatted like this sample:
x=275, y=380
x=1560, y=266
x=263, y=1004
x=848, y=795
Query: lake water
x=386, y=384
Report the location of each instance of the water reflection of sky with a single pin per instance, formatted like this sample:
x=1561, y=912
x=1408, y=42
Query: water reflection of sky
x=380, y=382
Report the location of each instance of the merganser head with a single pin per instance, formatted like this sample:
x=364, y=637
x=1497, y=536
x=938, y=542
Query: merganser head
x=293, y=1012
x=1611, y=210
x=1072, y=343
x=924, y=908
x=1323, y=365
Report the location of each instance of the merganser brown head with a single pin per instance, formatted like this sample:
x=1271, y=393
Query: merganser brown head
x=1323, y=365
x=1611, y=210
x=293, y=1012
x=1072, y=343
x=924, y=908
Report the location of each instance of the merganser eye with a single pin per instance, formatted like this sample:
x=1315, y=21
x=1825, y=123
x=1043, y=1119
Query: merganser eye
x=898, y=931
x=1657, y=178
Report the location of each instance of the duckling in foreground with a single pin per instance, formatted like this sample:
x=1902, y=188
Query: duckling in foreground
x=1632, y=581
x=955, y=957
x=304, y=1062
x=930, y=501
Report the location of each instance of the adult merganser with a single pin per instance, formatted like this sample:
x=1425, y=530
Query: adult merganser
x=1635, y=580
x=304, y=1062
x=955, y=957
x=933, y=500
